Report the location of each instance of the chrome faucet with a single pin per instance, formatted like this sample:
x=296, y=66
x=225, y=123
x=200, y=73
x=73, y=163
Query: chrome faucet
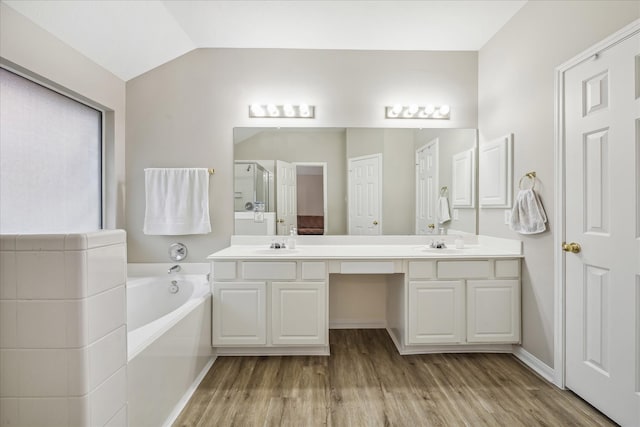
x=176, y=268
x=436, y=244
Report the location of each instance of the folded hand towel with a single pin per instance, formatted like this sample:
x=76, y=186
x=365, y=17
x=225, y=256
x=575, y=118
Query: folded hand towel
x=528, y=216
x=443, y=210
x=177, y=201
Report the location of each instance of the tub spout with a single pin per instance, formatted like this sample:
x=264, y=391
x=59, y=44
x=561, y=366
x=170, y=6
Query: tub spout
x=176, y=268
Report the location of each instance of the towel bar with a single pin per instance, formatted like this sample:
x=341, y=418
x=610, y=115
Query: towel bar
x=532, y=177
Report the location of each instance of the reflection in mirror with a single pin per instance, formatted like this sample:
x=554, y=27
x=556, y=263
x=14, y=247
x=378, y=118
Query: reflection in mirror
x=355, y=180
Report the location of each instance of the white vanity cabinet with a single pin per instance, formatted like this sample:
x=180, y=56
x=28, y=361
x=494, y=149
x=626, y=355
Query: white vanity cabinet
x=239, y=313
x=436, y=312
x=298, y=313
x=463, y=302
x=270, y=304
x=267, y=302
x=493, y=311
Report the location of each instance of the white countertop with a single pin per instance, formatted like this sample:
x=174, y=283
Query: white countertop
x=491, y=248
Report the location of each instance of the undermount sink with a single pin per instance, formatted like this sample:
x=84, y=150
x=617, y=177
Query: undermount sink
x=270, y=251
x=441, y=250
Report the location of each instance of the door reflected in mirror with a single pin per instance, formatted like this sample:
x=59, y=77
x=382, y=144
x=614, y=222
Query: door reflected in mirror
x=337, y=181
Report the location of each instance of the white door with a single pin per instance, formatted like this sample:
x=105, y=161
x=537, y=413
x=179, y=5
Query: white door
x=426, y=186
x=365, y=195
x=602, y=280
x=436, y=312
x=239, y=313
x=298, y=313
x=286, y=197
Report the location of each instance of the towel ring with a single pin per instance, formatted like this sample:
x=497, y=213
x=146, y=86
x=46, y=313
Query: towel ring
x=532, y=177
x=443, y=191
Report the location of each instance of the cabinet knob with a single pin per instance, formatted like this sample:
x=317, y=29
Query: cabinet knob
x=375, y=222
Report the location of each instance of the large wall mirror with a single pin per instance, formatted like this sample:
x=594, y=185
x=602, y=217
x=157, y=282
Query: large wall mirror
x=337, y=181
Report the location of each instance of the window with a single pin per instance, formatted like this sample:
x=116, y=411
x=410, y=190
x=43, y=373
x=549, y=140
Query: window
x=50, y=160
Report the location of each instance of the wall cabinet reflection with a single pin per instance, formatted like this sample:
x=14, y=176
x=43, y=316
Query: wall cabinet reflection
x=355, y=180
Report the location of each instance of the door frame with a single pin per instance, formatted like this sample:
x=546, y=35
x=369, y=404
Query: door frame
x=559, y=325
x=350, y=160
x=325, y=194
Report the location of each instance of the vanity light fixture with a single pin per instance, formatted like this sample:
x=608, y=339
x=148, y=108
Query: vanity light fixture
x=289, y=111
x=414, y=111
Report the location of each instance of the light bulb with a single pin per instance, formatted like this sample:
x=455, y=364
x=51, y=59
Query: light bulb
x=273, y=110
x=413, y=109
x=288, y=110
x=429, y=109
x=304, y=110
x=444, y=110
x=396, y=109
x=257, y=110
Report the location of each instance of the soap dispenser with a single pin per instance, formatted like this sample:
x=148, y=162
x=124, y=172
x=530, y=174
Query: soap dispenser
x=293, y=233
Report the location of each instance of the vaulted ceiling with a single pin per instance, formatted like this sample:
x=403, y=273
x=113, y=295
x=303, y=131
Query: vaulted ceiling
x=131, y=37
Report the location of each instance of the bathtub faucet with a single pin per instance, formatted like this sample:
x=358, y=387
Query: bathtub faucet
x=176, y=268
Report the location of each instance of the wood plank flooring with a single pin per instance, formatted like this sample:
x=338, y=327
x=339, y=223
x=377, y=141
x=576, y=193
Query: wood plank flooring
x=365, y=382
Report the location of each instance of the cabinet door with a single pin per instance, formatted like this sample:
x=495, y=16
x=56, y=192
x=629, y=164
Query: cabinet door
x=436, y=312
x=298, y=313
x=239, y=313
x=493, y=311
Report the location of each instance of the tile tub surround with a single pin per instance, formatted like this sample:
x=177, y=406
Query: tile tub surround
x=63, y=329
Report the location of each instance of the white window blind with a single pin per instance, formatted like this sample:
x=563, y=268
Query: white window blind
x=50, y=160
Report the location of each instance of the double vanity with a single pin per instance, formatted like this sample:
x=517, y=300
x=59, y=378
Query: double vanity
x=276, y=301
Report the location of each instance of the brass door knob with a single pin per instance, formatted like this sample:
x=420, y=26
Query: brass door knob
x=571, y=247
x=281, y=221
x=431, y=226
x=375, y=222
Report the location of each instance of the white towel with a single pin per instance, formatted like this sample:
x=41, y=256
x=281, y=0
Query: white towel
x=177, y=201
x=528, y=216
x=443, y=210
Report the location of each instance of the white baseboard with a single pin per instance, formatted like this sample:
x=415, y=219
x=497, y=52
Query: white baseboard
x=187, y=395
x=534, y=363
x=274, y=351
x=357, y=324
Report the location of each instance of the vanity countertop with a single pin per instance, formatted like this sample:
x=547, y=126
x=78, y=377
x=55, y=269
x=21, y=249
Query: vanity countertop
x=362, y=252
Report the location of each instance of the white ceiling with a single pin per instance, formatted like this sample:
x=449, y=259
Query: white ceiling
x=131, y=37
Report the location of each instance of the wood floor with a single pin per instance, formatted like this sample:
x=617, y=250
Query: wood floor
x=365, y=382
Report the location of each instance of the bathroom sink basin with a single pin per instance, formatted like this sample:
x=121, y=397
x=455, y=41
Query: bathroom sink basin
x=443, y=251
x=269, y=251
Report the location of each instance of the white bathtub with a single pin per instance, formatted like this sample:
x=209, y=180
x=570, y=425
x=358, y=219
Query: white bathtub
x=169, y=340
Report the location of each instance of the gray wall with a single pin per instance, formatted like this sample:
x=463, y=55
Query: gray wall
x=182, y=114
x=27, y=48
x=516, y=95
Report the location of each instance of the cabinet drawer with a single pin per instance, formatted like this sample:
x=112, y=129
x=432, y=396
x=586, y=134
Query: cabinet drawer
x=269, y=270
x=314, y=270
x=463, y=269
x=367, y=267
x=224, y=270
x=421, y=269
x=507, y=268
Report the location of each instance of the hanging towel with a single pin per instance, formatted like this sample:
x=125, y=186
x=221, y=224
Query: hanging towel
x=177, y=201
x=443, y=210
x=528, y=216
